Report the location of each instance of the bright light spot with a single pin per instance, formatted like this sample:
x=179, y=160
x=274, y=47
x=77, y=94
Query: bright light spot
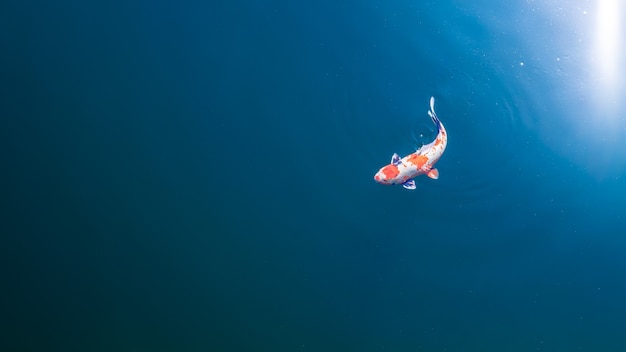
x=607, y=36
x=521, y=63
x=606, y=51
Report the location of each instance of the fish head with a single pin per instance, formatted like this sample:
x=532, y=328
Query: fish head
x=387, y=175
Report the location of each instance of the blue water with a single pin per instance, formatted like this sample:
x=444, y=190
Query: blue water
x=198, y=176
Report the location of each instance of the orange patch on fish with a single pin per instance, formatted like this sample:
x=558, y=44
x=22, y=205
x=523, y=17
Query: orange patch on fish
x=437, y=141
x=390, y=171
x=417, y=160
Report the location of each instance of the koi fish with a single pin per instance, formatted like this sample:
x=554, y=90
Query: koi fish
x=402, y=171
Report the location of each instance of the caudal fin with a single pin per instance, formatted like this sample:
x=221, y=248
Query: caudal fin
x=433, y=114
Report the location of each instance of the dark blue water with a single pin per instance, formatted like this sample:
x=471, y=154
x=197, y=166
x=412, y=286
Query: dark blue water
x=198, y=176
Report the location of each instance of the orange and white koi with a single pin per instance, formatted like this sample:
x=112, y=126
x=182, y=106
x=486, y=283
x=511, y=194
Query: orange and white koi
x=402, y=171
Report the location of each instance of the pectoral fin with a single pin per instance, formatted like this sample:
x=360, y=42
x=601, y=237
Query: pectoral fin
x=410, y=184
x=395, y=159
x=433, y=173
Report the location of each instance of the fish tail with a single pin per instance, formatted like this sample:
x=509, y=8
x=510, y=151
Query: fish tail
x=433, y=114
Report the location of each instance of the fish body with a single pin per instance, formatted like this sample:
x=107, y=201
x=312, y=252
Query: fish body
x=402, y=171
